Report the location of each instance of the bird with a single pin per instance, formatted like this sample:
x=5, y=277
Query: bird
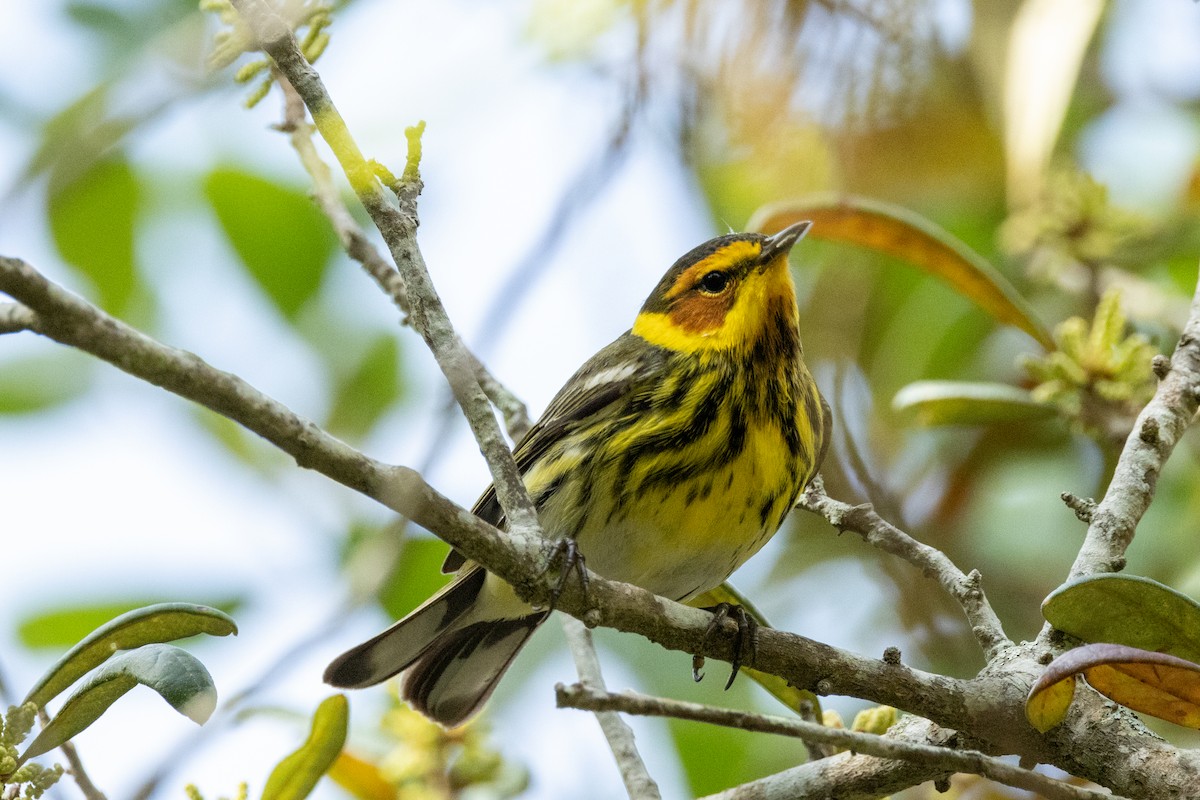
x=667, y=460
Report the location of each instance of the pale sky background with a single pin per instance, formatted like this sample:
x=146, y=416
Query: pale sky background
x=97, y=501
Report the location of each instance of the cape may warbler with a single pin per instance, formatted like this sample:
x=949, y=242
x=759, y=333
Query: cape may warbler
x=669, y=458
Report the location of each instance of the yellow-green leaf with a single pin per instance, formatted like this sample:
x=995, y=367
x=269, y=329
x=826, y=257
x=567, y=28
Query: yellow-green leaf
x=175, y=674
x=915, y=240
x=1047, y=704
x=277, y=231
x=38, y=382
x=65, y=626
x=367, y=390
x=296, y=775
x=92, y=220
x=150, y=625
x=967, y=403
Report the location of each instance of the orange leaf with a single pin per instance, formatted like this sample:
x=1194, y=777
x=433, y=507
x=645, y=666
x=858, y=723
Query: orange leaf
x=360, y=778
x=1158, y=684
x=913, y=239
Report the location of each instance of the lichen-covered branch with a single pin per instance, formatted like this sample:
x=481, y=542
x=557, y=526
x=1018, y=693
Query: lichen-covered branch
x=942, y=759
x=358, y=246
x=398, y=226
x=967, y=589
x=1155, y=433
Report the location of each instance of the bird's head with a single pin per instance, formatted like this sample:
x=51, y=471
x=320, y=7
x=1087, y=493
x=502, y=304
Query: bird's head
x=723, y=294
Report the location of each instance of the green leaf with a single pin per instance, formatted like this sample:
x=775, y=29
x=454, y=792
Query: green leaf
x=92, y=219
x=240, y=443
x=153, y=624
x=277, y=231
x=1159, y=684
x=175, y=674
x=295, y=776
x=696, y=743
x=900, y=233
x=76, y=137
x=418, y=575
x=36, y=383
x=967, y=403
x=368, y=391
x=1128, y=610
x=100, y=18
x=64, y=627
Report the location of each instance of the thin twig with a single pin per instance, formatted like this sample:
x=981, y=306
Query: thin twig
x=75, y=764
x=878, y=532
x=358, y=246
x=638, y=782
x=398, y=226
x=849, y=775
x=1155, y=433
x=589, y=699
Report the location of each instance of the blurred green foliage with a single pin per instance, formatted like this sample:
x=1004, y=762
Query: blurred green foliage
x=92, y=219
x=40, y=382
x=63, y=627
x=283, y=240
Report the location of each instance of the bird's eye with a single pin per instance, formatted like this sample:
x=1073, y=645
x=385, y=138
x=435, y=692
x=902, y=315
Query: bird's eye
x=714, y=282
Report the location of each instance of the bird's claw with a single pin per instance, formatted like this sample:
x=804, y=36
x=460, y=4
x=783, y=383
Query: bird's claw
x=744, y=643
x=566, y=556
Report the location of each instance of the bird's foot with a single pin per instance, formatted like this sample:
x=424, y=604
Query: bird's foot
x=744, y=643
x=566, y=558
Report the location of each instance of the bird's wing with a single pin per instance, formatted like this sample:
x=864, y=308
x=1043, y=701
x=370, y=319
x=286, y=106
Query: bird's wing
x=607, y=377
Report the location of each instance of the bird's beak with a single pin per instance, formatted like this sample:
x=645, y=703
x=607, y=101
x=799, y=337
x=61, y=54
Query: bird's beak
x=782, y=243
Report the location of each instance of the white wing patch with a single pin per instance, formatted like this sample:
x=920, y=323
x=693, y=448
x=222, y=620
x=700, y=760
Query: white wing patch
x=608, y=375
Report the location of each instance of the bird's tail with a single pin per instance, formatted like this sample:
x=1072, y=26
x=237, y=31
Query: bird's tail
x=453, y=659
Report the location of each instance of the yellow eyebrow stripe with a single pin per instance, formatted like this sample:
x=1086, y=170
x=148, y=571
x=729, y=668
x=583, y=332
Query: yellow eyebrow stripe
x=732, y=253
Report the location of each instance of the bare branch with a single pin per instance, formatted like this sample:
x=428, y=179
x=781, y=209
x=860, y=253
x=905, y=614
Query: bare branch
x=398, y=227
x=1155, y=433
x=880, y=533
x=941, y=758
x=15, y=317
x=638, y=782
